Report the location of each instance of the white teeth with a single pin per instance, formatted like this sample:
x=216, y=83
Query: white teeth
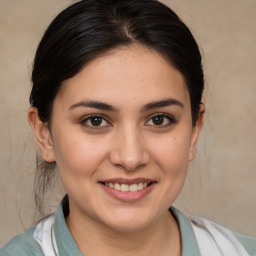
x=117, y=186
x=133, y=188
x=140, y=186
x=125, y=187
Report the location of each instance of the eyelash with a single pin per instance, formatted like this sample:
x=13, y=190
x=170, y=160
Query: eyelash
x=170, y=120
x=89, y=118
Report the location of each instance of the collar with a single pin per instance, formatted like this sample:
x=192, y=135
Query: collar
x=67, y=245
x=64, y=240
x=188, y=238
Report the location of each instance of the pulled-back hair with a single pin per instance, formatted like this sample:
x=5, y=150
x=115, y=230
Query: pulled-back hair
x=90, y=28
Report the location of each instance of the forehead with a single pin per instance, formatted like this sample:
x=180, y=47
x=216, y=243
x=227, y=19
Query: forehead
x=125, y=75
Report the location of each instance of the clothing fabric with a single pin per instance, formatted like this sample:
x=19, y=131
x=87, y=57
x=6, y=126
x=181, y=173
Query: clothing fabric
x=51, y=237
x=214, y=240
x=44, y=235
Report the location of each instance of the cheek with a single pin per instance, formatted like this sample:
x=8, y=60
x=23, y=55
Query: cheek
x=172, y=158
x=172, y=152
x=77, y=155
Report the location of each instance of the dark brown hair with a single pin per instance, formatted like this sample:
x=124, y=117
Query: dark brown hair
x=89, y=28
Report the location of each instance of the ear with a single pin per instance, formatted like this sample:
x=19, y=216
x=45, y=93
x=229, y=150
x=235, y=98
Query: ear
x=42, y=135
x=196, y=132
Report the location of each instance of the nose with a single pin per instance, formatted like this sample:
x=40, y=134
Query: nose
x=129, y=151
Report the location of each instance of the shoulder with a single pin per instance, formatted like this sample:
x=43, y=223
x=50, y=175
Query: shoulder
x=22, y=245
x=249, y=243
x=209, y=232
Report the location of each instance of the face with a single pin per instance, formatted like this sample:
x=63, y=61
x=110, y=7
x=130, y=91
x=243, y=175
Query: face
x=122, y=137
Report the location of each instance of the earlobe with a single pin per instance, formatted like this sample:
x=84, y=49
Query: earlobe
x=196, y=132
x=42, y=135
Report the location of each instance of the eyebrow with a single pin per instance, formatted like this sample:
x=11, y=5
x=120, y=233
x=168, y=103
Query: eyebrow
x=93, y=104
x=162, y=103
x=107, y=107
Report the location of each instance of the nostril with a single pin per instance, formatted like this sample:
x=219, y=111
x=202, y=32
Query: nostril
x=129, y=154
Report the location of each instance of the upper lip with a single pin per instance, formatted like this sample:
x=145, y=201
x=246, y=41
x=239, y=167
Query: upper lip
x=127, y=181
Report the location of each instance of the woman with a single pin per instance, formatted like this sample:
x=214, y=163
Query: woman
x=116, y=104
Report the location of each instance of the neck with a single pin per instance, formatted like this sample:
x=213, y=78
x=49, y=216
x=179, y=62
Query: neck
x=162, y=238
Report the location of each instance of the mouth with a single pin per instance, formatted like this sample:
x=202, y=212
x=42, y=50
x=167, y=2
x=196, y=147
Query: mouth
x=134, y=187
x=128, y=189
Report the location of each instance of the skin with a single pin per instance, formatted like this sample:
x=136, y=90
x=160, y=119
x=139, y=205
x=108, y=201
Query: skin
x=127, y=144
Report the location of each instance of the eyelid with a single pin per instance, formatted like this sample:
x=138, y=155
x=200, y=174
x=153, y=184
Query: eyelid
x=87, y=117
x=172, y=120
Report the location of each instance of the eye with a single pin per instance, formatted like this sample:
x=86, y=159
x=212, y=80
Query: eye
x=95, y=121
x=160, y=120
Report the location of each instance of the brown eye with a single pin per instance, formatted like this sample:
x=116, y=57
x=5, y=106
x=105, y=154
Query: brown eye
x=158, y=120
x=95, y=121
x=161, y=120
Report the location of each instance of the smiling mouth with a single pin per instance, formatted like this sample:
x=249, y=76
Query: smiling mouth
x=127, y=187
x=128, y=190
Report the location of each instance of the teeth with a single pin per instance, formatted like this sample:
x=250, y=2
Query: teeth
x=133, y=188
x=125, y=187
x=140, y=186
x=117, y=186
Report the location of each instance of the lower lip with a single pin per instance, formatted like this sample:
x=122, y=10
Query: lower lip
x=129, y=196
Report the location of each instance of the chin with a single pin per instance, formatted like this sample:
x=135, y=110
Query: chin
x=129, y=226
x=128, y=220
